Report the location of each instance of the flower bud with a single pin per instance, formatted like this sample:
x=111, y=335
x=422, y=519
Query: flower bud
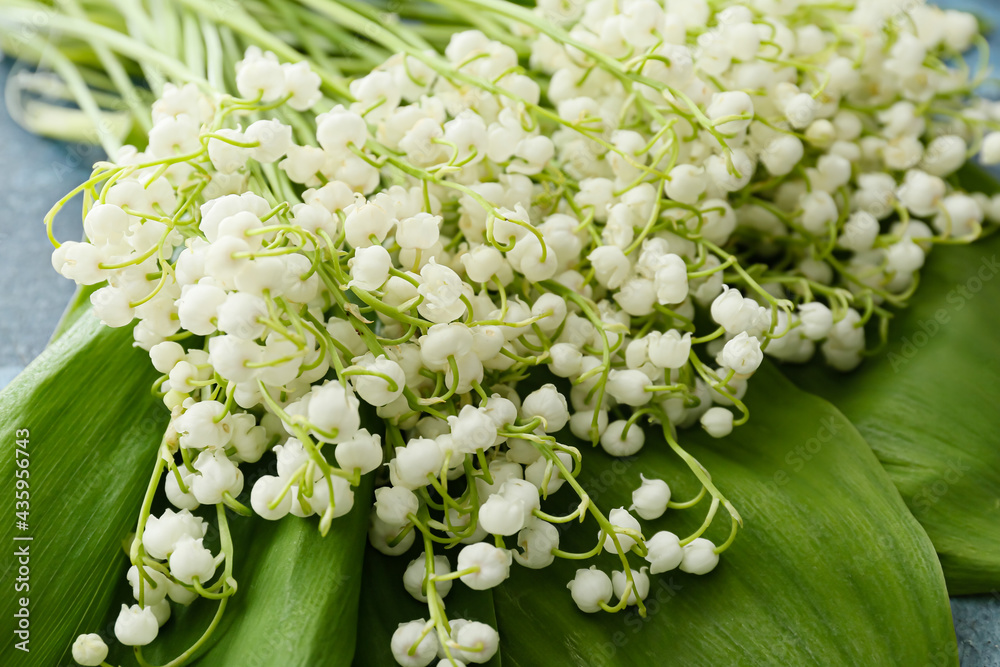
x=717, y=422
x=89, y=650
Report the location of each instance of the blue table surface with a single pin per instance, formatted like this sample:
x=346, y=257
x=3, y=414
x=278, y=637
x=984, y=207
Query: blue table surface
x=37, y=172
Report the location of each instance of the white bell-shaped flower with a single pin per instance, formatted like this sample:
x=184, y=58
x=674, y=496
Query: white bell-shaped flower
x=611, y=266
x=620, y=518
x=370, y=268
x=742, y=354
x=267, y=490
x=218, y=476
x=650, y=500
x=387, y=539
x=333, y=409
x=303, y=85
x=629, y=387
x=394, y=504
x=548, y=404
x=259, y=76
x=136, y=626
x=420, y=231
x=362, y=452
x=699, y=557
x=412, y=646
x=590, y=588
x=415, y=577
x=491, y=565
x=639, y=590
x=617, y=441
x=368, y=220
x=153, y=584
x=663, y=552
x=273, y=139
x=192, y=559
x=480, y=641
x=536, y=541
x=415, y=461
x=161, y=534
x=816, y=319
x=472, y=429
x=380, y=380
x=442, y=291
x=204, y=425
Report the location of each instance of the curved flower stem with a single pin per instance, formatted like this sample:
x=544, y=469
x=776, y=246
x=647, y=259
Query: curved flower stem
x=696, y=467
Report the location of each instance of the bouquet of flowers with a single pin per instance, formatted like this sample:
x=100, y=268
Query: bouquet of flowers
x=490, y=288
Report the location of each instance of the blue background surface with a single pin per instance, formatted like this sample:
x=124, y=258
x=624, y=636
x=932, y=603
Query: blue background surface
x=37, y=172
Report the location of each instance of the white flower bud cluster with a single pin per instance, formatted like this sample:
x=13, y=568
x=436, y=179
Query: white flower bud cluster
x=428, y=247
x=175, y=563
x=414, y=644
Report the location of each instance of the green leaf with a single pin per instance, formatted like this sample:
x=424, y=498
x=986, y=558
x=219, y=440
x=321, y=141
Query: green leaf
x=927, y=405
x=830, y=568
x=78, y=306
x=299, y=596
x=94, y=430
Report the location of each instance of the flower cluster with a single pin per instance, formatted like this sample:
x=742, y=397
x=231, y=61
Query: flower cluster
x=691, y=189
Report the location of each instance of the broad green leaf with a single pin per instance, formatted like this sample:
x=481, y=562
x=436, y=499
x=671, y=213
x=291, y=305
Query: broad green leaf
x=830, y=569
x=78, y=306
x=297, y=605
x=94, y=429
x=927, y=405
x=385, y=604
